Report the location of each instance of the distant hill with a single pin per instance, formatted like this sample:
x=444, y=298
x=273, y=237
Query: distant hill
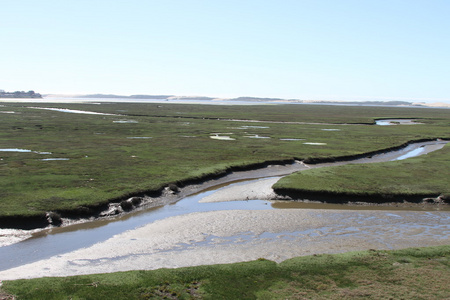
x=257, y=99
x=393, y=103
x=127, y=97
x=19, y=94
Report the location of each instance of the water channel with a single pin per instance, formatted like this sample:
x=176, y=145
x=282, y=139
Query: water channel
x=57, y=242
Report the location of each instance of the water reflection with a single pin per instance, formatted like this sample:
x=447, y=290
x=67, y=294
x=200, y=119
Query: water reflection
x=387, y=122
x=73, y=111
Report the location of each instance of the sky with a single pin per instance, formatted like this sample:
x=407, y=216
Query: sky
x=291, y=49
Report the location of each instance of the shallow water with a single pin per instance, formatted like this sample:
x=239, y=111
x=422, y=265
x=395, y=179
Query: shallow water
x=317, y=144
x=388, y=122
x=413, y=153
x=424, y=149
x=56, y=241
x=125, y=121
x=50, y=159
x=22, y=150
x=15, y=150
x=256, y=136
x=226, y=236
x=222, y=137
x=292, y=139
x=73, y=111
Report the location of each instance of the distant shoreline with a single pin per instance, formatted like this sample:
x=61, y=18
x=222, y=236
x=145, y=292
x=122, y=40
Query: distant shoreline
x=19, y=94
x=56, y=98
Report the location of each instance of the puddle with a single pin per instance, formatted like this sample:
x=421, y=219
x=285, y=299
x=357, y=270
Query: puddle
x=125, y=121
x=7, y=112
x=258, y=127
x=308, y=143
x=330, y=129
x=49, y=159
x=256, y=136
x=22, y=150
x=139, y=137
x=222, y=137
x=387, y=122
x=292, y=139
x=73, y=111
x=15, y=150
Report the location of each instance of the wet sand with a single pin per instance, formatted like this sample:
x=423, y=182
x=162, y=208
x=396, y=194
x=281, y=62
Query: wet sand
x=254, y=190
x=241, y=235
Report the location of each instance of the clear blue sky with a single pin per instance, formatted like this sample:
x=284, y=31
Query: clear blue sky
x=337, y=49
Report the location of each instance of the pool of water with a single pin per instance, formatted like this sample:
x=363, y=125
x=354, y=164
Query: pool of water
x=222, y=137
x=125, y=121
x=22, y=150
x=14, y=150
x=50, y=159
x=73, y=111
x=387, y=122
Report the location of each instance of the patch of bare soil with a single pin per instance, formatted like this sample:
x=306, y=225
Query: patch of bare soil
x=6, y=296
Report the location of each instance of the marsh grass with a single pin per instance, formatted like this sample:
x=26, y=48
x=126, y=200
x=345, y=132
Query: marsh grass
x=415, y=273
x=415, y=177
x=105, y=164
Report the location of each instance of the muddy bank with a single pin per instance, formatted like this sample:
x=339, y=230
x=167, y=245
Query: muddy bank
x=391, y=199
x=261, y=189
x=24, y=222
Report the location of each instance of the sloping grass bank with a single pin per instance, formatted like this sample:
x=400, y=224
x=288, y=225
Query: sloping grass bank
x=415, y=273
x=411, y=180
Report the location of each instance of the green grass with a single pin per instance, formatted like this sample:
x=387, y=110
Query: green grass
x=105, y=164
x=415, y=273
x=418, y=176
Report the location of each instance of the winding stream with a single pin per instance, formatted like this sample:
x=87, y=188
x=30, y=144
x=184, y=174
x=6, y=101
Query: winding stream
x=60, y=242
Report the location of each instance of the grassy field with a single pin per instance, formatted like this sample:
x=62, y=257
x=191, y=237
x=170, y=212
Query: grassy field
x=415, y=273
x=146, y=146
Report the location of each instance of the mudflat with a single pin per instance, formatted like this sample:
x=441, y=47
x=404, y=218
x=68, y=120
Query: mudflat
x=240, y=235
